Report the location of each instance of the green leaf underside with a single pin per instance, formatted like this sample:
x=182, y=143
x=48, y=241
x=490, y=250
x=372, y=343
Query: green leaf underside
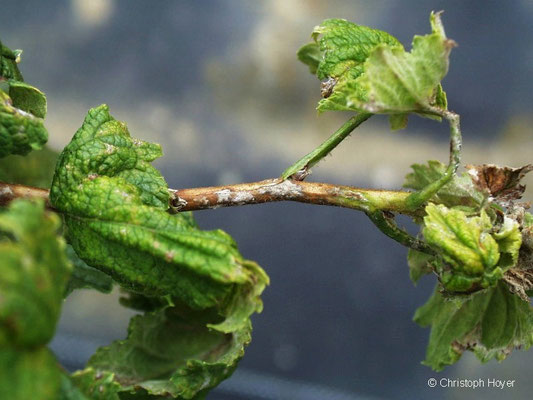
x=115, y=205
x=85, y=277
x=460, y=191
x=419, y=264
x=33, y=277
x=375, y=74
x=491, y=323
x=170, y=352
x=469, y=253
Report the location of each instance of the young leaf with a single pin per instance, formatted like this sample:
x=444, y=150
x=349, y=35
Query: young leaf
x=35, y=271
x=470, y=254
x=491, y=323
x=20, y=131
x=169, y=352
x=460, y=191
x=115, y=205
x=373, y=73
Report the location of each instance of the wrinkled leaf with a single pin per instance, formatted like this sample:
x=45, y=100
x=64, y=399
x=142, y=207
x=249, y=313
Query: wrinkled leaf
x=373, y=73
x=171, y=352
x=460, y=191
x=472, y=256
x=8, y=64
x=20, y=131
x=399, y=82
x=115, y=205
x=491, y=323
x=35, y=271
x=85, y=277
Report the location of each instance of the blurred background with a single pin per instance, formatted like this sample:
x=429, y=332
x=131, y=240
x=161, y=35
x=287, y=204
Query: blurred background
x=217, y=83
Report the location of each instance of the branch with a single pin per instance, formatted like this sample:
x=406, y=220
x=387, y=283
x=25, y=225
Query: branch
x=267, y=191
x=10, y=192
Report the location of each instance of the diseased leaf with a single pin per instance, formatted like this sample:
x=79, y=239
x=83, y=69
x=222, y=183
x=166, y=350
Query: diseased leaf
x=35, y=271
x=85, y=277
x=8, y=64
x=375, y=74
x=20, y=131
x=398, y=82
x=491, y=323
x=502, y=184
x=171, y=352
x=96, y=385
x=337, y=55
x=472, y=256
x=115, y=205
x=460, y=191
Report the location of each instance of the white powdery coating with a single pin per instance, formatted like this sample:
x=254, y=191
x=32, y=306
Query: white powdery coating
x=6, y=190
x=242, y=197
x=223, y=196
x=285, y=189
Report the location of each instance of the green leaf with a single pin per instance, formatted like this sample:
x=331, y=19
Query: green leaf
x=419, y=264
x=345, y=45
x=28, y=374
x=337, y=55
x=20, y=131
x=8, y=64
x=27, y=98
x=35, y=271
x=491, y=323
x=171, y=352
x=85, y=277
x=460, y=191
x=386, y=78
x=115, y=205
x=95, y=385
x=311, y=56
x=468, y=249
x=398, y=121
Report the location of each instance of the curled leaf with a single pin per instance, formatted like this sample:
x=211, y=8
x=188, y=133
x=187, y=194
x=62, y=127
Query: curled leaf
x=115, y=205
x=471, y=255
x=491, y=323
x=502, y=184
x=20, y=131
x=169, y=352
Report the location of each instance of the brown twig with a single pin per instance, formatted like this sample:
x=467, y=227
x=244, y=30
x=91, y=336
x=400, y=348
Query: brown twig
x=267, y=191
